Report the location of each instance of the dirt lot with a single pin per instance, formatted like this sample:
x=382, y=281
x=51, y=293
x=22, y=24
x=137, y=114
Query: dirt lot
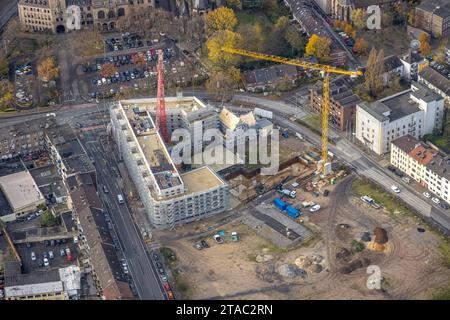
x=329, y=267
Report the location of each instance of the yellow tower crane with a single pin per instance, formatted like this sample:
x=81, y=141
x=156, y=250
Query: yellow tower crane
x=324, y=69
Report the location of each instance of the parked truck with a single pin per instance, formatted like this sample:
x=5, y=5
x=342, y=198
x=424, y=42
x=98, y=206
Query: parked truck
x=292, y=212
x=280, y=204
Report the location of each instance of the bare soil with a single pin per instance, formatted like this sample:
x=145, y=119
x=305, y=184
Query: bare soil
x=411, y=264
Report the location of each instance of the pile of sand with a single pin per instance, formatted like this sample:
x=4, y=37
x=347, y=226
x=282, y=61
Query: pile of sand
x=374, y=246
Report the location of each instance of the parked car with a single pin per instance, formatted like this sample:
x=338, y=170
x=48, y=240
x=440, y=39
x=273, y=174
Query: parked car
x=46, y=262
x=395, y=189
x=50, y=254
x=406, y=179
x=166, y=286
x=444, y=205
x=68, y=254
x=164, y=278
x=33, y=256
x=426, y=195
x=326, y=193
x=435, y=200
x=315, y=208
x=62, y=253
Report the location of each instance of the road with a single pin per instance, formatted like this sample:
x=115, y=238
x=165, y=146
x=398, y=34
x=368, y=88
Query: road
x=320, y=26
x=351, y=154
x=337, y=39
x=8, y=9
x=140, y=264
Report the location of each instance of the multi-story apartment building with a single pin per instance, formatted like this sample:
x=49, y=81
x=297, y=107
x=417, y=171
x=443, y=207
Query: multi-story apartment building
x=416, y=111
x=425, y=164
x=52, y=15
x=342, y=102
x=433, y=16
x=170, y=198
x=411, y=156
x=436, y=82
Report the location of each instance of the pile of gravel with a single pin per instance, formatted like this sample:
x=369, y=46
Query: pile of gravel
x=291, y=271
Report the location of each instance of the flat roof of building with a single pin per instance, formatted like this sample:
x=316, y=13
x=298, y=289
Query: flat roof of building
x=201, y=179
x=392, y=108
x=20, y=190
x=188, y=104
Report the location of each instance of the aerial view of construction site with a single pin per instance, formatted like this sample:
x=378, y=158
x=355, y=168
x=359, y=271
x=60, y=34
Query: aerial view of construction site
x=225, y=150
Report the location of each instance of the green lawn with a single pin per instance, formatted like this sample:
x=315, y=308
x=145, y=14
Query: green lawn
x=252, y=17
x=442, y=294
x=380, y=196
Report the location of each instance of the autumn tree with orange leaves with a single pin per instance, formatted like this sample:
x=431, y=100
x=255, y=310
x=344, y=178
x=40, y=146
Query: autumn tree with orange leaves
x=47, y=69
x=108, y=70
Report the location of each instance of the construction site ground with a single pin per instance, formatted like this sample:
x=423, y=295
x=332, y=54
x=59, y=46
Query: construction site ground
x=325, y=267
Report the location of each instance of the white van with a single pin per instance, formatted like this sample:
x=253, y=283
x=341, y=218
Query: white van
x=120, y=199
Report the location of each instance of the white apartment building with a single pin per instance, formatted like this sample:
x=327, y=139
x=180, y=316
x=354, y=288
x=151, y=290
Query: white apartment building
x=416, y=111
x=170, y=198
x=411, y=156
x=426, y=165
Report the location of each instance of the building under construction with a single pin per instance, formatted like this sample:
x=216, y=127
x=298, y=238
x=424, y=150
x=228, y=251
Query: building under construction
x=170, y=198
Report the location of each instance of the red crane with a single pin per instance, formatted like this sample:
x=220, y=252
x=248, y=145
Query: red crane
x=161, y=123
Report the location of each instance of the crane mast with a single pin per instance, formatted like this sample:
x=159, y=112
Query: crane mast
x=326, y=70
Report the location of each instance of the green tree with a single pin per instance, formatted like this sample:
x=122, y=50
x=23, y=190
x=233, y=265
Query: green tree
x=270, y=5
x=4, y=68
x=220, y=19
x=48, y=219
x=253, y=34
x=323, y=49
x=6, y=94
x=233, y=4
x=282, y=22
x=294, y=38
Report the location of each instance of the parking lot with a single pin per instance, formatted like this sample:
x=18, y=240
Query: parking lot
x=135, y=71
x=441, y=68
x=39, y=248
x=24, y=80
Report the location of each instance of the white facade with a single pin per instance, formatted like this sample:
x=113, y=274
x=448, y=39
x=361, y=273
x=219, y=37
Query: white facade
x=194, y=195
x=416, y=112
x=427, y=166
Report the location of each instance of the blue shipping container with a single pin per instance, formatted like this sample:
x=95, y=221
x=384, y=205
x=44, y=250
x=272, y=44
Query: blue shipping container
x=280, y=204
x=292, y=212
